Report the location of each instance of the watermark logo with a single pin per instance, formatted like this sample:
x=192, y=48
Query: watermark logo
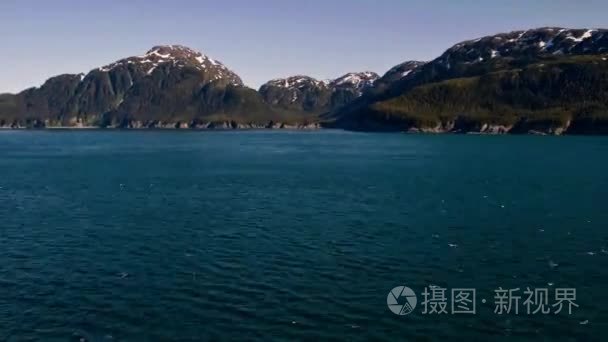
x=436, y=300
x=401, y=300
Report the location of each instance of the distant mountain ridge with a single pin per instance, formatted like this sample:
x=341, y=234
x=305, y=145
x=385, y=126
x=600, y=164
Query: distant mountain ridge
x=172, y=86
x=304, y=94
x=548, y=80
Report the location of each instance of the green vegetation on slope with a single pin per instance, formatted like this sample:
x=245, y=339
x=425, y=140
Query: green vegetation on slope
x=546, y=92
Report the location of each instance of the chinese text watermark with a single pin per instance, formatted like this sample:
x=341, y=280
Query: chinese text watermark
x=437, y=300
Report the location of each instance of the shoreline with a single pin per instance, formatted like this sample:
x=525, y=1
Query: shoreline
x=294, y=128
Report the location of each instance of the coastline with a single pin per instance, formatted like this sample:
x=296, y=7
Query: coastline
x=155, y=125
x=411, y=131
x=451, y=127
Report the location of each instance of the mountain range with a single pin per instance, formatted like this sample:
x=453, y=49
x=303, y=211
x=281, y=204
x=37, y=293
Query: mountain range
x=546, y=81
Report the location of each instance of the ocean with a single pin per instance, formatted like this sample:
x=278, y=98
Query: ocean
x=293, y=235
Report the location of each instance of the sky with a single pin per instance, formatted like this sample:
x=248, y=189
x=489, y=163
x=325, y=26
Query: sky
x=261, y=39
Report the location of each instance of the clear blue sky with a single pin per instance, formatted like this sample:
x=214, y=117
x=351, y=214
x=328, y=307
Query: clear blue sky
x=261, y=39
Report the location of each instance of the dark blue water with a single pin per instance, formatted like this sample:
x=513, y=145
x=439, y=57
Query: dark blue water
x=158, y=236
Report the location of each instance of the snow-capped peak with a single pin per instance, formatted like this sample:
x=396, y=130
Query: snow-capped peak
x=299, y=87
x=178, y=56
x=296, y=82
x=545, y=40
x=357, y=80
x=179, y=52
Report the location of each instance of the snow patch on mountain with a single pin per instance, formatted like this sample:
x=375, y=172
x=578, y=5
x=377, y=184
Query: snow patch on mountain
x=400, y=71
x=308, y=93
x=176, y=56
x=357, y=81
x=547, y=40
x=296, y=82
x=586, y=35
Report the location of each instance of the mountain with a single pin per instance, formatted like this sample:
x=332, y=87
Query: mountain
x=546, y=80
x=396, y=74
x=338, y=116
x=169, y=86
x=306, y=95
x=357, y=82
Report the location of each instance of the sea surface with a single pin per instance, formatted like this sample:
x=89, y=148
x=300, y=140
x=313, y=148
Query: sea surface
x=289, y=235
